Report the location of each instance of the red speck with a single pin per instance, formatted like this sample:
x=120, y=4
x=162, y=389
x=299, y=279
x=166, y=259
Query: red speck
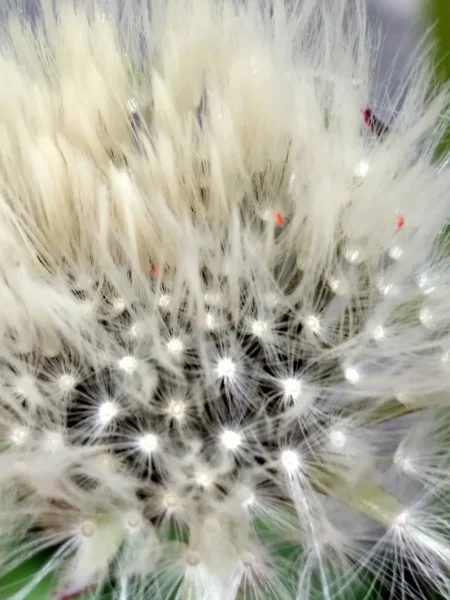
x=156, y=271
x=368, y=117
x=279, y=218
x=400, y=221
x=72, y=595
x=375, y=125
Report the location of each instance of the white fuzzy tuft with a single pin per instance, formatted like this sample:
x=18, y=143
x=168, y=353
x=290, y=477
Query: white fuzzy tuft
x=225, y=331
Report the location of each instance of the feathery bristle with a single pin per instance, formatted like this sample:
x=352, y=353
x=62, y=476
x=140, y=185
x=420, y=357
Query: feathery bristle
x=225, y=334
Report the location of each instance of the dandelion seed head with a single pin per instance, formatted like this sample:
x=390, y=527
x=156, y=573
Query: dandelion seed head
x=218, y=339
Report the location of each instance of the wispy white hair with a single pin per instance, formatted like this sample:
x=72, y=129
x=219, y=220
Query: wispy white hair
x=225, y=342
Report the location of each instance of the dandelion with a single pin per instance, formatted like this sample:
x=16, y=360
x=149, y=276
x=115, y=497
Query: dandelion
x=225, y=324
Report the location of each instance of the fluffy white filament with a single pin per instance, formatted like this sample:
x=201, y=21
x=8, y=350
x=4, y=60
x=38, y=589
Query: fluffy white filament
x=225, y=326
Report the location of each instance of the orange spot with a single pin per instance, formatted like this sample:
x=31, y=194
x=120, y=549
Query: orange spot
x=279, y=218
x=156, y=271
x=400, y=221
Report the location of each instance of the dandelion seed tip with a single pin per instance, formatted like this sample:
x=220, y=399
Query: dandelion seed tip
x=164, y=300
x=384, y=287
x=445, y=359
x=67, y=382
x=290, y=460
x=211, y=321
x=119, y=304
x=148, y=443
x=136, y=330
x=336, y=285
x=353, y=254
x=107, y=411
x=203, y=480
x=171, y=500
x=192, y=558
x=176, y=409
x=426, y=317
x=292, y=387
x=19, y=435
x=231, y=439
x=247, y=558
x=352, y=375
x=249, y=500
x=403, y=462
x=88, y=529
x=259, y=328
x=53, y=440
x=132, y=105
x=312, y=323
x=396, y=252
x=128, y=364
x=225, y=368
x=361, y=169
x=133, y=520
x=402, y=518
x=108, y=462
x=338, y=438
x=425, y=283
x=175, y=346
x=378, y=333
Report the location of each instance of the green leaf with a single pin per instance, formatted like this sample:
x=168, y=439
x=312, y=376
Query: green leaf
x=17, y=579
x=439, y=17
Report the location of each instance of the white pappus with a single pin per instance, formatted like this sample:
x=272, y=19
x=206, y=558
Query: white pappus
x=225, y=326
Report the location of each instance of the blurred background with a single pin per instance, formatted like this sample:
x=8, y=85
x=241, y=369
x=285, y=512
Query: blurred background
x=402, y=24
